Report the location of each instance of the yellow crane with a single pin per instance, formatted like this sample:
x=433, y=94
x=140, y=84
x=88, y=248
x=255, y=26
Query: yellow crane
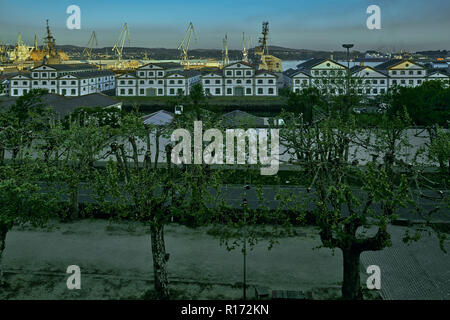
x=184, y=45
x=92, y=42
x=118, y=46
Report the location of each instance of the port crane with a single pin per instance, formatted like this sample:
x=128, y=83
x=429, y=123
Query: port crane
x=184, y=45
x=92, y=42
x=118, y=46
x=244, y=50
x=225, y=57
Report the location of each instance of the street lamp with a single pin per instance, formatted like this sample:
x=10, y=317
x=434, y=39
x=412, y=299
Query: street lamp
x=348, y=47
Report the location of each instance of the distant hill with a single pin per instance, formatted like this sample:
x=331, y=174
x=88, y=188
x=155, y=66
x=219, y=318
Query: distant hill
x=171, y=54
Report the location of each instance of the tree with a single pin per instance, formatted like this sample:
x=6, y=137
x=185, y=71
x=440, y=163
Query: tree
x=354, y=197
x=24, y=195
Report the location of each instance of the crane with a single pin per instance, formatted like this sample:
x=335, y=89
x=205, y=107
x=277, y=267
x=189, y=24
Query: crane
x=244, y=50
x=184, y=45
x=118, y=46
x=92, y=42
x=225, y=58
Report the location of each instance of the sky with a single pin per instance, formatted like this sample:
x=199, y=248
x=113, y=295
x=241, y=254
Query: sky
x=411, y=25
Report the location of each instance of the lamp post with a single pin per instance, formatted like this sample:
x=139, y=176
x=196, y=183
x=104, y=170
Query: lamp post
x=244, y=248
x=348, y=47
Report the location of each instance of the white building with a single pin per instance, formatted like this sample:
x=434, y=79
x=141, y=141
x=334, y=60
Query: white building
x=64, y=79
x=439, y=75
x=265, y=83
x=369, y=81
x=159, y=82
x=239, y=79
x=405, y=73
x=151, y=78
x=212, y=82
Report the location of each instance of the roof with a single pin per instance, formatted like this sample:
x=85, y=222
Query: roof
x=185, y=73
x=392, y=63
x=66, y=105
x=8, y=75
x=238, y=118
x=265, y=71
x=218, y=72
x=70, y=67
x=93, y=74
x=159, y=118
x=441, y=71
x=356, y=69
x=240, y=62
x=164, y=65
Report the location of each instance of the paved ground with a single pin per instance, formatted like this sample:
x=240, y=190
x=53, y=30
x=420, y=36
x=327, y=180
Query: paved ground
x=115, y=261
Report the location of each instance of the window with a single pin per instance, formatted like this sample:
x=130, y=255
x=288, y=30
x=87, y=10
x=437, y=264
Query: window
x=129, y=81
x=122, y=91
x=394, y=81
x=25, y=83
x=394, y=72
x=383, y=90
x=270, y=90
x=229, y=82
x=297, y=81
x=217, y=90
x=142, y=74
x=52, y=74
x=260, y=81
x=411, y=72
x=229, y=91
x=260, y=91
x=419, y=81
x=172, y=91
x=130, y=91
x=270, y=81
x=44, y=83
x=375, y=81
x=35, y=75
x=206, y=81
x=151, y=74
x=160, y=74
x=25, y=91
x=217, y=81
x=382, y=81
x=64, y=92
x=172, y=82
x=248, y=73
x=150, y=82
x=142, y=91
x=63, y=83
x=142, y=82
x=238, y=73
x=375, y=91
x=248, y=91
x=44, y=74
x=53, y=83
x=160, y=91
x=15, y=83
x=403, y=81
x=238, y=81
x=35, y=83
x=73, y=82
x=73, y=92
x=180, y=81
x=180, y=91
x=229, y=73
x=411, y=82
x=419, y=72
x=305, y=82
x=402, y=73
x=249, y=81
x=160, y=82
x=122, y=82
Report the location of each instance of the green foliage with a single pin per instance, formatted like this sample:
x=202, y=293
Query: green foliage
x=427, y=105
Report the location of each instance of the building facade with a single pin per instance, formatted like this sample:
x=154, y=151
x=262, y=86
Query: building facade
x=151, y=80
x=63, y=79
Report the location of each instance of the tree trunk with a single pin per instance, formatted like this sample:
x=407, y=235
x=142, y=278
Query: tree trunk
x=3, y=231
x=160, y=259
x=351, y=288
